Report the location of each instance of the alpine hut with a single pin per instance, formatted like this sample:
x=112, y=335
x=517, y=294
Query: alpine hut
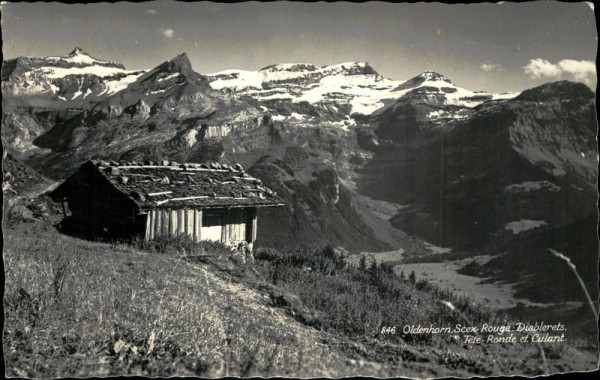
x=208, y=201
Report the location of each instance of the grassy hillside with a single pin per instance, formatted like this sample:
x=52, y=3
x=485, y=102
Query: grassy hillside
x=81, y=308
x=77, y=308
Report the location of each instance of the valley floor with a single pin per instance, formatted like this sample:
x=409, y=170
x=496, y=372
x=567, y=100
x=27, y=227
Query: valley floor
x=445, y=274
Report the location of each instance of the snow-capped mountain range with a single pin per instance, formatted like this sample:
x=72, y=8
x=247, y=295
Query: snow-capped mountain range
x=354, y=83
x=79, y=77
x=294, y=94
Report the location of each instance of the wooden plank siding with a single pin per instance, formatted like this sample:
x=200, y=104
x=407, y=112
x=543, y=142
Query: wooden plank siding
x=219, y=225
x=180, y=222
x=197, y=225
x=254, y=227
x=189, y=223
x=234, y=226
x=150, y=226
x=164, y=216
x=172, y=218
x=157, y=223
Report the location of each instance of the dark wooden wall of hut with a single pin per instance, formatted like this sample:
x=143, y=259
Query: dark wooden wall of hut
x=97, y=209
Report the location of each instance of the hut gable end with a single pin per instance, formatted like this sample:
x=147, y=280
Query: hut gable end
x=87, y=186
x=93, y=205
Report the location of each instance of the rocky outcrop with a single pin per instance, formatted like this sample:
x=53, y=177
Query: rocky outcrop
x=326, y=183
x=19, y=131
x=318, y=209
x=140, y=109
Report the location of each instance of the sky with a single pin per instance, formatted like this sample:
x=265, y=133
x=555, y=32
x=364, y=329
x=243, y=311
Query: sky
x=490, y=46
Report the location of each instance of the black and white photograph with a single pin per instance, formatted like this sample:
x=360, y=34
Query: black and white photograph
x=299, y=189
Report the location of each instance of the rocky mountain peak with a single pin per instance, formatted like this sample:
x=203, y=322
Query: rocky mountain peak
x=290, y=67
x=350, y=68
x=180, y=64
x=77, y=51
x=172, y=79
x=181, y=61
x=433, y=76
x=427, y=76
x=560, y=90
x=179, y=69
x=78, y=57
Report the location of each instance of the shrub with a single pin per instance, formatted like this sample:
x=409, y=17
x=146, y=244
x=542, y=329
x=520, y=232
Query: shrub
x=181, y=245
x=357, y=301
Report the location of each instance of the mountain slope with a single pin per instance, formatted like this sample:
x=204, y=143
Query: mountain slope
x=500, y=154
x=510, y=170
x=141, y=297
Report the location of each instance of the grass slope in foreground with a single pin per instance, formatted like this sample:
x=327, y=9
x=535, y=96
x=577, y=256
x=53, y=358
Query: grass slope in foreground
x=81, y=308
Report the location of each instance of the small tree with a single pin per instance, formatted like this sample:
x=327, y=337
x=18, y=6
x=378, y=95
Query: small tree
x=373, y=268
x=276, y=275
x=362, y=263
x=387, y=268
x=412, y=277
x=374, y=272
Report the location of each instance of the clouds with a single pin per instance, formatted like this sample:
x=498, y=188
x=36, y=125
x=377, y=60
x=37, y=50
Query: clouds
x=169, y=33
x=581, y=71
x=540, y=68
x=151, y=11
x=488, y=66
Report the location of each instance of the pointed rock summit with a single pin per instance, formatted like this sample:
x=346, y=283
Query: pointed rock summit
x=181, y=64
x=77, y=51
x=182, y=61
x=79, y=57
x=166, y=85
